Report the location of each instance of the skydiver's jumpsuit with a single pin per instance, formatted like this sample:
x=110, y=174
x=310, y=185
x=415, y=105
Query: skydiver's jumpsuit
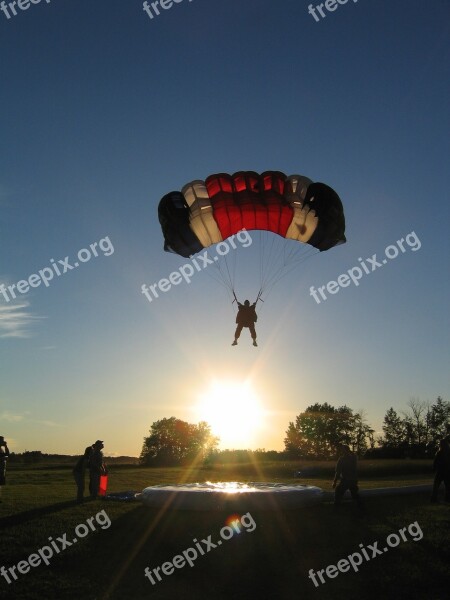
x=346, y=472
x=246, y=317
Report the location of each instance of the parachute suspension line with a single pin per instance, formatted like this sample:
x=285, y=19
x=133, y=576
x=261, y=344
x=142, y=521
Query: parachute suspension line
x=292, y=266
x=275, y=261
x=225, y=272
x=231, y=272
x=269, y=258
x=221, y=277
x=230, y=278
x=224, y=276
x=266, y=257
x=274, y=254
x=234, y=266
x=261, y=258
x=220, y=280
x=298, y=254
x=289, y=252
x=289, y=270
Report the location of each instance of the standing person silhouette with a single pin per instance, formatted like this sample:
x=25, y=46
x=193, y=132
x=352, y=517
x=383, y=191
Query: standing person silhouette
x=4, y=453
x=79, y=472
x=441, y=466
x=346, y=474
x=95, y=468
x=246, y=317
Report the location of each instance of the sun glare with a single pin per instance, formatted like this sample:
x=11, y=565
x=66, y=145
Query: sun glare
x=233, y=411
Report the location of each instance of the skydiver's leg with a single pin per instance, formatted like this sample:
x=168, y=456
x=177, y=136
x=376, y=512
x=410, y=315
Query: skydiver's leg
x=237, y=334
x=253, y=333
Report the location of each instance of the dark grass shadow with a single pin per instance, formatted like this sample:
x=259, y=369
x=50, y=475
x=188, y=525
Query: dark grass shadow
x=35, y=513
x=410, y=511
x=271, y=562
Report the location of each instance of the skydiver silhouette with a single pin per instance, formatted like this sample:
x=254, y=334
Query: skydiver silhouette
x=246, y=317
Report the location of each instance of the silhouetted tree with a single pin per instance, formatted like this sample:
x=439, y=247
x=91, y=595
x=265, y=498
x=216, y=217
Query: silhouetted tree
x=174, y=442
x=32, y=456
x=319, y=430
x=362, y=435
x=416, y=421
x=439, y=419
x=416, y=434
x=394, y=430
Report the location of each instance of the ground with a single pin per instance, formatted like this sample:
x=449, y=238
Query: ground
x=270, y=562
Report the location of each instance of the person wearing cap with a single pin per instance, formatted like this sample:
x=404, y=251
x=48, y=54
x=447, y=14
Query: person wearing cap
x=79, y=472
x=96, y=468
x=4, y=453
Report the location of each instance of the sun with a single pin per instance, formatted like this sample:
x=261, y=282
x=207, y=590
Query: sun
x=233, y=411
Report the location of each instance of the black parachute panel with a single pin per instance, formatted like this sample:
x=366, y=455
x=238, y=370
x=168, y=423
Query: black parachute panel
x=328, y=207
x=173, y=213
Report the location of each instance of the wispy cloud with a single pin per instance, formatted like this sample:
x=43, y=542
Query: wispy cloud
x=16, y=320
x=26, y=416
x=48, y=423
x=7, y=416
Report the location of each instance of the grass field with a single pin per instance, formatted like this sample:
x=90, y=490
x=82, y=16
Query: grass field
x=270, y=562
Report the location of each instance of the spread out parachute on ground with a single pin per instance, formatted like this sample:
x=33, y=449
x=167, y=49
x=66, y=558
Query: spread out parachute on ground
x=293, y=207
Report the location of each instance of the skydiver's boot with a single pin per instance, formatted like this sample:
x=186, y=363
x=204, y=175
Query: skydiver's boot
x=254, y=343
x=234, y=343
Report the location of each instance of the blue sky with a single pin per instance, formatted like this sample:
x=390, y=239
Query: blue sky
x=104, y=110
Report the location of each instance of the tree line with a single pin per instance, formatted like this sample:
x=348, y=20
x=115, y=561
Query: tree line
x=316, y=433
x=415, y=433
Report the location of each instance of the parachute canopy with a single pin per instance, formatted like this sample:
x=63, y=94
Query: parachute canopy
x=293, y=207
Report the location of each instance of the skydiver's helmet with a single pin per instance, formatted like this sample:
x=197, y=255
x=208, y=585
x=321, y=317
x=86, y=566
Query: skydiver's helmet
x=247, y=303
